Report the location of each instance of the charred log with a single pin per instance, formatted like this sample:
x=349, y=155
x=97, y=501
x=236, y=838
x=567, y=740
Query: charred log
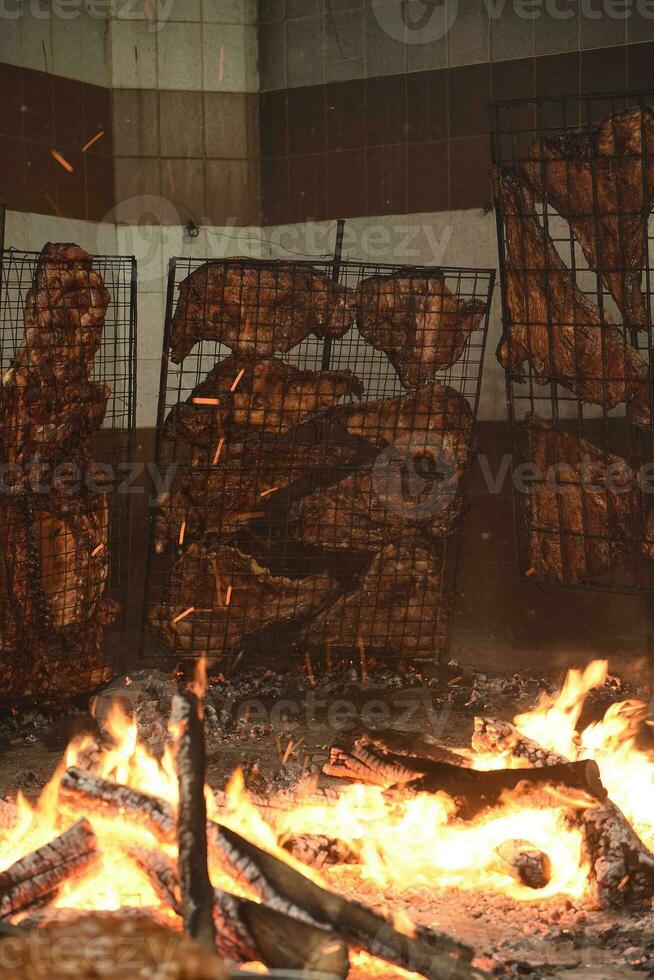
x=502, y=738
x=39, y=875
x=190, y=757
x=525, y=862
x=80, y=790
x=318, y=851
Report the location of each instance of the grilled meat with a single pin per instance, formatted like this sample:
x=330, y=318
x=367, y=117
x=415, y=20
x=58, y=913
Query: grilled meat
x=417, y=322
x=553, y=325
x=258, y=307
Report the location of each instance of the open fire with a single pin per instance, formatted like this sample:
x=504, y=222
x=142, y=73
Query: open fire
x=397, y=836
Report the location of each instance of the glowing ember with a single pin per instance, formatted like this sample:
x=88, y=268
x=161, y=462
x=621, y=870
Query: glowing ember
x=437, y=849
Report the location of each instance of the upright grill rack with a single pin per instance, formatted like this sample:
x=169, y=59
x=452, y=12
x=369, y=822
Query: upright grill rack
x=562, y=149
x=272, y=538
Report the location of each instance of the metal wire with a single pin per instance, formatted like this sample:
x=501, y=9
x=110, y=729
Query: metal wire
x=67, y=416
x=574, y=179
x=288, y=528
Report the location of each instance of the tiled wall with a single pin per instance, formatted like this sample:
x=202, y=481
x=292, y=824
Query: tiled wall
x=358, y=120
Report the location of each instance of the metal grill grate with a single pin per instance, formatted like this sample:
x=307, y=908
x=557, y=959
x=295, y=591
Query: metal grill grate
x=313, y=512
x=574, y=185
x=67, y=413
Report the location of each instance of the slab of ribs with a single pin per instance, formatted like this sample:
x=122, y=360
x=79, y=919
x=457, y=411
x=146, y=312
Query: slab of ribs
x=580, y=511
x=54, y=536
x=258, y=307
x=413, y=317
x=307, y=517
x=602, y=183
x=553, y=326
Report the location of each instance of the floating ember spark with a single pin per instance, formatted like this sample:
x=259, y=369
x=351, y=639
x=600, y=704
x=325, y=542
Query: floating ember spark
x=183, y=615
x=219, y=449
x=182, y=532
x=237, y=379
x=97, y=550
x=94, y=139
x=266, y=493
x=228, y=595
x=206, y=401
x=62, y=161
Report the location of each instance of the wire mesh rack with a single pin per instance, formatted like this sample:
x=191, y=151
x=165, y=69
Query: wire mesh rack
x=67, y=414
x=319, y=463
x=574, y=186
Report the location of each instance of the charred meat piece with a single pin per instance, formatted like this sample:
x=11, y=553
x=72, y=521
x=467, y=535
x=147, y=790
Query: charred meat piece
x=398, y=608
x=416, y=321
x=602, y=182
x=232, y=599
x=258, y=307
x=553, y=325
x=264, y=394
x=580, y=509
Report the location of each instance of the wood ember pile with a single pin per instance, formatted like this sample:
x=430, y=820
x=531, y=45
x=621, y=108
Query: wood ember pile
x=54, y=537
x=293, y=523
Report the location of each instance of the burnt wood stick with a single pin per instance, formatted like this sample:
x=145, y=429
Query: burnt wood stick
x=525, y=862
x=246, y=931
x=411, y=746
x=281, y=887
x=190, y=759
x=621, y=866
x=80, y=790
x=39, y=875
x=318, y=851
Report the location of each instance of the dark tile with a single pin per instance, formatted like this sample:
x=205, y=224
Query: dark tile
x=386, y=110
x=306, y=119
x=68, y=113
x=136, y=122
x=345, y=114
x=427, y=106
x=598, y=28
x=469, y=178
x=100, y=191
x=511, y=34
x=71, y=187
x=274, y=123
x=13, y=173
x=344, y=46
x=384, y=40
x=38, y=106
x=304, y=51
x=183, y=183
x=225, y=125
x=427, y=177
x=640, y=66
x=270, y=10
x=181, y=123
x=554, y=34
x=41, y=177
x=603, y=70
x=469, y=94
x=387, y=179
x=513, y=79
x=136, y=178
x=228, y=192
x=557, y=74
x=98, y=119
x=640, y=23
x=308, y=180
x=468, y=39
x=275, y=191
x=272, y=55
x=252, y=125
x=346, y=184
x=11, y=114
x=302, y=8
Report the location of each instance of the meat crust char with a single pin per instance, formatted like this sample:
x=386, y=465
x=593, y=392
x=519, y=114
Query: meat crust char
x=268, y=395
x=258, y=308
x=54, y=539
x=553, y=325
x=602, y=182
x=414, y=318
x=581, y=510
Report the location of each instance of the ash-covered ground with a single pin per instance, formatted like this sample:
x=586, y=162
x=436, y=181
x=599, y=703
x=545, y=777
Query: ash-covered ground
x=278, y=726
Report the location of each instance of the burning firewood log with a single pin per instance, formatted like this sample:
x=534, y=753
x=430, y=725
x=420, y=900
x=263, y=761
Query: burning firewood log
x=525, y=862
x=190, y=757
x=80, y=791
x=621, y=866
x=318, y=850
x=246, y=931
x=39, y=875
x=473, y=789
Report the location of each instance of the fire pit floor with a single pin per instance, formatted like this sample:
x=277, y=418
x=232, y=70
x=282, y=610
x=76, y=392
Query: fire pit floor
x=541, y=938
